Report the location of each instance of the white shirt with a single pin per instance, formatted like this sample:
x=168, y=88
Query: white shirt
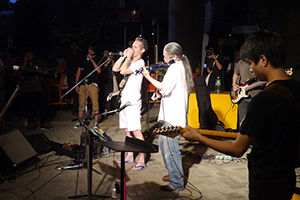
x=174, y=102
x=132, y=89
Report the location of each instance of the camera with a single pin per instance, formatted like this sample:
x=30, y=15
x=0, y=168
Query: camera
x=209, y=52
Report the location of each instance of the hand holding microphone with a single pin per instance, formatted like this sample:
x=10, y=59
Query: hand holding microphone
x=128, y=53
x=88, y=57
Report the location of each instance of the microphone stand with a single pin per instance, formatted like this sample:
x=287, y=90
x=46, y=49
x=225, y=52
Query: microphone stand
x=89, y=142
x=89, y=133
x=11, y=99
x=85, y=77
x=19, y=86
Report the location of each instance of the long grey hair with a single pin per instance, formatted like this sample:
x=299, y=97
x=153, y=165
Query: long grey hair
x=174, y=48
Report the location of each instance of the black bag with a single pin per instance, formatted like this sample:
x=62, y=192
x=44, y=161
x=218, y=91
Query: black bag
x=207, y=116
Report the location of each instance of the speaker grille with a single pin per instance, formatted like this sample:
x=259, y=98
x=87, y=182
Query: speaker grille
x=16, y=147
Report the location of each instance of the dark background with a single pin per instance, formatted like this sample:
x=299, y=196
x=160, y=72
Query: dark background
x=48, y=26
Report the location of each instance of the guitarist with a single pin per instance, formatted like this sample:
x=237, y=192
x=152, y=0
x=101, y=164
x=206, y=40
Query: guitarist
x=129, y=118
x=243, y=73
x=271, y=124
x=174, y=90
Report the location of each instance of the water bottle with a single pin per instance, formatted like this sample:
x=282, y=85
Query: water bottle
x=114, y=193
x=218, y=85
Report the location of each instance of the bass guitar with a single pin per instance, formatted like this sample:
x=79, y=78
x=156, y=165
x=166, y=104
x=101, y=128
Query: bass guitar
x=237, y=95
x=176, y=130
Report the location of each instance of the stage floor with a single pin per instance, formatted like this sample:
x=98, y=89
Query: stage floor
x=214, y=179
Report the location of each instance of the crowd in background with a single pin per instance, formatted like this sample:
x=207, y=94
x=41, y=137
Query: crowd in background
x=32, y=104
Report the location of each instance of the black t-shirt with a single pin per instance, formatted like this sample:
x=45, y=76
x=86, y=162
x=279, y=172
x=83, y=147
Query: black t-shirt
x=73, y=61
x=86, y=68
x=275, y=124
x=106, y=74
x=217, y=73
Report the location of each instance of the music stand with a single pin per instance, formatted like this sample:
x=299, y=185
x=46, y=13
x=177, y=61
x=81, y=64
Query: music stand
x=89, y=142
x=89, y=133
x=130, y=145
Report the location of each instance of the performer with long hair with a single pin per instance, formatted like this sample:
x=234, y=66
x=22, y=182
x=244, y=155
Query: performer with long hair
x=174, y=93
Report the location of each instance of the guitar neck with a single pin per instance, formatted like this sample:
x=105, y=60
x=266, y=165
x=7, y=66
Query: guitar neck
x=254, y=85
x=174, y=131
x=222, y=134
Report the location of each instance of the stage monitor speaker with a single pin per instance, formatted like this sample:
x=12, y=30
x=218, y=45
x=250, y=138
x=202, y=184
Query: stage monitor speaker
x=15, y=150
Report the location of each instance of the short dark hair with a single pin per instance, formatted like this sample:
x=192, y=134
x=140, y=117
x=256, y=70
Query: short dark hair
x=264, y=43
x=95, y=47
x=144, y=43
x=75, y=41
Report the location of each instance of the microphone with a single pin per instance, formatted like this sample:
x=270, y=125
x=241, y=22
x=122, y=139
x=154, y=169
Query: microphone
x=115, y=54
x=124, y=106
x=36, y=72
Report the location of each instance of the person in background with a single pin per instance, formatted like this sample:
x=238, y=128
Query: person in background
x=105, y=83
x=214, y=68
x=241, y=74
x=69, y=64
x=130, y=117
x=87, y=66
x=271, y=124
x=230, y=70
x=174, y=93
x=35, y=101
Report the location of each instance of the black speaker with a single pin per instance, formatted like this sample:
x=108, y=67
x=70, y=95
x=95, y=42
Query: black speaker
x=15, y=150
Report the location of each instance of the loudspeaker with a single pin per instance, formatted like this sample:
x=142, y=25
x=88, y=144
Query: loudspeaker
x=14, y=151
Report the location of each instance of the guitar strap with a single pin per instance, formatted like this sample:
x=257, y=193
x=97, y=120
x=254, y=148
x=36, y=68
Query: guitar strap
x=292, y=100
x=285, y=93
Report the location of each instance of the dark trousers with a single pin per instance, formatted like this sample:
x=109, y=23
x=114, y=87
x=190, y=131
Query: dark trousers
x=73, y=94
x=35, y=105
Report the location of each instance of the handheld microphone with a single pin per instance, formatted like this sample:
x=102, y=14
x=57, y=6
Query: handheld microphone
x=35, y=72
x=124, y=106
x=115, y=54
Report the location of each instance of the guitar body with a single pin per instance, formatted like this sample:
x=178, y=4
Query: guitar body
x=176, y=130
x=241, y=93
x=237, y=95
x=118, y=92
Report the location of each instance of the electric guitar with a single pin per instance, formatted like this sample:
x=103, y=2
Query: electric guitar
x=237, y=95
x=176, y=130
x=118, y=92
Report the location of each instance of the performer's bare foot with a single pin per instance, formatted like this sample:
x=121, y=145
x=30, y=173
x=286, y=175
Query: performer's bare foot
x=128, y=160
